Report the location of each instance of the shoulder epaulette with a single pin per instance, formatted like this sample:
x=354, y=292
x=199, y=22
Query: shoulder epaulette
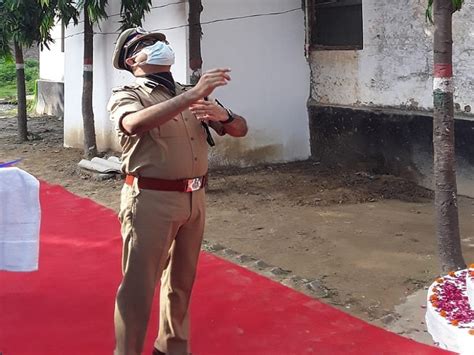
x=125, y=87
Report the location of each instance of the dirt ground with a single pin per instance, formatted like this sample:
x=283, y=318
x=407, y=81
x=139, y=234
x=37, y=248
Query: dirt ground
x=358, y=241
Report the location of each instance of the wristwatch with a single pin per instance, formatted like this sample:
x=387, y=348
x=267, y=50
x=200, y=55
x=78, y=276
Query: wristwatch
x=230, y=116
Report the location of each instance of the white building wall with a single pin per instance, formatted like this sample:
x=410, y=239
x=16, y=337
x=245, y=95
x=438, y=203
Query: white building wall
x=106, y=76
x=52, y=61
x=271, y=77
x=395, y=67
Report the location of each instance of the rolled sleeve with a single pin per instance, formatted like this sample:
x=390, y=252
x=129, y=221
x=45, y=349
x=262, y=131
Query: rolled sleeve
x=122, y=103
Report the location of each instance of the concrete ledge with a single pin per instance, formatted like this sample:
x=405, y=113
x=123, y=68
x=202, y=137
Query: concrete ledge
x=388, y=141
x=50, y=98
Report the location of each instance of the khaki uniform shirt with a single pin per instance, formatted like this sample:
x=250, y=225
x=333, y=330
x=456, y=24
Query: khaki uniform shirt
x=175, y=150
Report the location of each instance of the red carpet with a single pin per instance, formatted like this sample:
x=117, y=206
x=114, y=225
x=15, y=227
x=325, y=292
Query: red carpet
x=67, y=307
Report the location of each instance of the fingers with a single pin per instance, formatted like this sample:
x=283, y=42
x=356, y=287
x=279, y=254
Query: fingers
x=201, y=113
x=199, y=110
x=202, y=105
x=216, y=74
x=211, y=80
x=208, y=111
x=218, y=70
x=214, y=81
x=199, y=103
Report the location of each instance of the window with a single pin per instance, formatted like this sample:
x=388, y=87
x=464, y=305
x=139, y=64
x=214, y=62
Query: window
x=336, y=24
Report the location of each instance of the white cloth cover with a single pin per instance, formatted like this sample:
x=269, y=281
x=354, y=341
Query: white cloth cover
x=20, y=217
x=445, y=335
x=470, y=288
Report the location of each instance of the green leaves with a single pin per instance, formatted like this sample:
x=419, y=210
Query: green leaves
x=66, y=10
x=429, y=12
x=21, y=22
x=96, y=9
x=29, y=22
x=5, y=50
x=457, y=5
x=133, y=12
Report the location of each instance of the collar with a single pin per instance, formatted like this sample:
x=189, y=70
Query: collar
x=147, y=84
x=166, y=79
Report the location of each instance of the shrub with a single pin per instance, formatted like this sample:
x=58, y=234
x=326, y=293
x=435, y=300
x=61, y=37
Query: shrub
x=8, y=77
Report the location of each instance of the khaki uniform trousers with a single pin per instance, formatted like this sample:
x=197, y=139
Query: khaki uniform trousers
x=162, y=234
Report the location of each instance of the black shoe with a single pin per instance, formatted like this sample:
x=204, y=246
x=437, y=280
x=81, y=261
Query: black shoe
x=157, y=352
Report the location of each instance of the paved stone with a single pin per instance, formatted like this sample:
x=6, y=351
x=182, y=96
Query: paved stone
x=245, y=258
x=216, y=247
x=261, y=264
x=412, y=318
x=279, y=271
x=318, y=288
x=229, y=252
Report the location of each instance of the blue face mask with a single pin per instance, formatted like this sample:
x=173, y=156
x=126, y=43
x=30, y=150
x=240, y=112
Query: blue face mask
x=159, y=53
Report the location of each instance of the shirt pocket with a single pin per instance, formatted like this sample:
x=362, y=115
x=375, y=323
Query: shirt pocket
x=172, y=128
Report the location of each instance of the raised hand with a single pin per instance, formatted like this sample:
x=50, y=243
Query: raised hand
x=208, y=111
x=211, y=80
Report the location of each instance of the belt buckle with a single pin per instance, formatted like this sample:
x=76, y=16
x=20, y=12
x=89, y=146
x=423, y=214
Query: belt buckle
x=193, y=184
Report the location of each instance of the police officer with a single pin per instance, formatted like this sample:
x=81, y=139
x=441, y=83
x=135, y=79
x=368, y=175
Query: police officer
x=161, y=129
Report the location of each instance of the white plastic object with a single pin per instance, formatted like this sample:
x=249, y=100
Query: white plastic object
x=20, y=219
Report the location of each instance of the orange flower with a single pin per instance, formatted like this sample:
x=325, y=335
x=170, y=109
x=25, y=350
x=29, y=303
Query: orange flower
x=471, y=266
x=455, y=322
x=471, y=332
x=439, y=280
x=471, y=273
x=442, y=313
x=435, y=304
x=452, y=273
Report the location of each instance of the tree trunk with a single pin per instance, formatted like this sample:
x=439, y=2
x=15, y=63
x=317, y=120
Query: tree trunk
x=90, y=146
x=446, y=207
x=21, y=94
x=195, y=34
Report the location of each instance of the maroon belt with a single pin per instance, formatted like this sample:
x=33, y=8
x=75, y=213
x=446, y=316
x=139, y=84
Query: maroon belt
x=183, y=185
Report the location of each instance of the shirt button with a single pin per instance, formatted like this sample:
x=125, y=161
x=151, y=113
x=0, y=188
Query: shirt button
x=192, y=138
x=195, y=158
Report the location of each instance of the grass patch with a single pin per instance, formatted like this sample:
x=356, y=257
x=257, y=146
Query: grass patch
x=8, y=92
x=8, y=78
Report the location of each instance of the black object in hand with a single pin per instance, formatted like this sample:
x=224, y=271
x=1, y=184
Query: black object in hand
x=209, y=138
